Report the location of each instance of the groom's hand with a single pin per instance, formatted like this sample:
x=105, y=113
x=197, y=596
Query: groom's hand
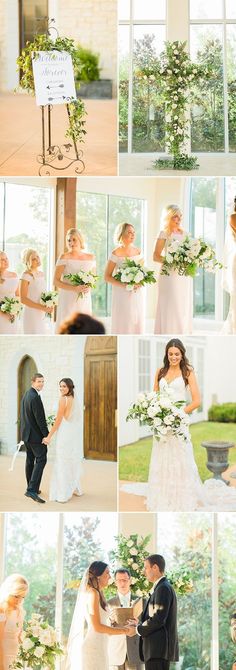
x=132, y=622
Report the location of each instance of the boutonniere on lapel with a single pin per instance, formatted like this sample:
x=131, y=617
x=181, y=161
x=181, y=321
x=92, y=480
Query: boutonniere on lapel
x=152, y=609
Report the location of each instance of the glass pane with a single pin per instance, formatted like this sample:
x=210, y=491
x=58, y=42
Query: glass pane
x=231, y=72
x=27, y=224
x=230, y=193
x=203, y=224
x=227, y=573
x=85, y=540
x=207, y=114
x=36, y=536
x=32, y=21
x=185, y=541
x=150, y=10
x=206, y=9
x=91, y=218
x=123, y=10
x=230, y=9
x=148, y=116
x=123, y=86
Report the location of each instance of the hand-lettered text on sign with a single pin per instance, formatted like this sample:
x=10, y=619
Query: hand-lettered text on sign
x=53, y=78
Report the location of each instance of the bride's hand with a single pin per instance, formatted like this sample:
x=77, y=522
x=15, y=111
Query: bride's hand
x=45, y=440
x=82, y=289
x=130, y=631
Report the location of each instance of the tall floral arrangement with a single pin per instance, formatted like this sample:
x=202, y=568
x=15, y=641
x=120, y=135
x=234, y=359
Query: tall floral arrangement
x=176, y=76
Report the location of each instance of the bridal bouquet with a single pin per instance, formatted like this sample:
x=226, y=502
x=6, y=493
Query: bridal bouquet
x=187, y=255
x=51, y=418
x=157, y=410
x=49, y=299
x=11, y=306
x=39, y=647
x=83, y=278
x=132, y=273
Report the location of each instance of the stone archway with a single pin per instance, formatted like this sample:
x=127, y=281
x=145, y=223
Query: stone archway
x=100, y=398
x=26, y=369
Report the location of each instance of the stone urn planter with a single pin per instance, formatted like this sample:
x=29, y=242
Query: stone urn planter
x=95, y=90
x=217, y=457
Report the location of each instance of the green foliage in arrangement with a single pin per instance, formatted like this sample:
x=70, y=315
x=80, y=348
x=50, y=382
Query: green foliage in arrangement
x=76, y=110
x=89, y=69
x=226, y=413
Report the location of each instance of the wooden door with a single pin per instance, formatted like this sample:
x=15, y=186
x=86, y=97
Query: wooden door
x=26, y=370
x=100, y=398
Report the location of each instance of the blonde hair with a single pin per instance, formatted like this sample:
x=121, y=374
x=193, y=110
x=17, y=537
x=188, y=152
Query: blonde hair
x=2, y=280
x=120, y=230
x=78, y=234
x=26, y=256
x=13, y=585
x=170, y=211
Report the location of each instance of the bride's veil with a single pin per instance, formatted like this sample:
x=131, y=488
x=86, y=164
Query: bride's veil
x=76, y=634
x=228, y=258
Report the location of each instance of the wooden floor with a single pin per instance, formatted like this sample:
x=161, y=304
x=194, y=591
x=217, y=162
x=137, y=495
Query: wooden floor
x=132, y=503
x=99, y=486
x=20, y=136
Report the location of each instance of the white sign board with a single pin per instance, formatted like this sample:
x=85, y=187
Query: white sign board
x=53, y=78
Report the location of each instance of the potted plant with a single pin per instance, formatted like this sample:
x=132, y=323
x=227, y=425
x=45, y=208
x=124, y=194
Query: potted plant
x=87, y=76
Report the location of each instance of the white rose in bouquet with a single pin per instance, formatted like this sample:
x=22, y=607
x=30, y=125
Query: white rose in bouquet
x=39, y=652
x=27, y=644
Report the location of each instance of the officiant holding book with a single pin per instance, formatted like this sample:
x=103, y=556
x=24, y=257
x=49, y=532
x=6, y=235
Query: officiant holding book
x=123, y=650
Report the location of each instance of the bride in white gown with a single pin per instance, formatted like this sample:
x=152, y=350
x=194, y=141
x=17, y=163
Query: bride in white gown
x=174, y=483
x=88, y=637
x=66, y=473
x=229, y=277
x=174, y=313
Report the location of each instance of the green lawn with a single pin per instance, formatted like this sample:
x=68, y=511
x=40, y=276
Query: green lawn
x=134, y=458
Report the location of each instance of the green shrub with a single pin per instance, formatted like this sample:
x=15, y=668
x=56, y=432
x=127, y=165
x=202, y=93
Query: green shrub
x=89, y=69
x=226, y=413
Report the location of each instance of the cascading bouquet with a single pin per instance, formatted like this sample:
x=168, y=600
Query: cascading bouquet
x=39, y=647
x=83, y=278
x=187, y=255
x=50, y=420
x=49, y=299
x=11, y=306
x=161, y=413
x=132, y=274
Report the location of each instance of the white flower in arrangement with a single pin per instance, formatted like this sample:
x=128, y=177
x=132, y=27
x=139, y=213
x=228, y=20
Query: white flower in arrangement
x=141, y=397
x=165, y=402
x=135, y=566
x=133, y=579
x=130, y=543
x=172, y=138
x=174, y=106
x=27, y=644
x=133, y=552
x=176, y=97
x=151, y=395
x=180, y=78
x=169, y=71
x=39, y=651
x=168, y=420
x=157, y=421
x=139, y=593
x=168, y=118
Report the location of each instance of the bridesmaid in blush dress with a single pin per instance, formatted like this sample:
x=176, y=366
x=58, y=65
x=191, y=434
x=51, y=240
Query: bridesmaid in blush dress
x=127, y=311
x=12, y=593
x=73, y=299
x=31, y=287
x=174, y=312
x=9, y=288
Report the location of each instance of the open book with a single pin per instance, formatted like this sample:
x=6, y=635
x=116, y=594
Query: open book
x=122, y=614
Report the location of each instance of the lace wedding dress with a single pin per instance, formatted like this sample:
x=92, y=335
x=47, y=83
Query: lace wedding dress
x=174, y=483
x=95, y=645
x=67, y=467
x=12, y=629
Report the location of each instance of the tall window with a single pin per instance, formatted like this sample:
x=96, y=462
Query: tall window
x=213, y=44
x=187, y=544
x=227, y=597
x=142, y=36
x=97, y=215
x=32, y=19
x=26, y=220
x=203, y=224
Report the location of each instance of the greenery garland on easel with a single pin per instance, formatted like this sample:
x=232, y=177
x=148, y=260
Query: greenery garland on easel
x=44, y=42
x=176, y=77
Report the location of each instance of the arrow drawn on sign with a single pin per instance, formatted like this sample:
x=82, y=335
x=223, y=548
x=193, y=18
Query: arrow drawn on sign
x=56, y=86
x=58, y=97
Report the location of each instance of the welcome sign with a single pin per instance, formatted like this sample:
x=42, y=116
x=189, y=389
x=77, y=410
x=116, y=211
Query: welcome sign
x=53, y=78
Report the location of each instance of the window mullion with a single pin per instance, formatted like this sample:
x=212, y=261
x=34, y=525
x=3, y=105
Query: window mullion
x=215, y=596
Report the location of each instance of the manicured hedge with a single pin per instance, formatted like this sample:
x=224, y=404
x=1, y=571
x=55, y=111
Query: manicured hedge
x=225, y=413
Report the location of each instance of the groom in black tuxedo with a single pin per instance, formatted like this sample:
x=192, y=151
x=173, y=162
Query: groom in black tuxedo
x=158, y=627
x=33, y=430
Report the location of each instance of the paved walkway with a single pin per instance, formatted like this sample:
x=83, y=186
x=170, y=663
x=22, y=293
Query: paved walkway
x=132, y=503
x=20, y=136
x=99, y=485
